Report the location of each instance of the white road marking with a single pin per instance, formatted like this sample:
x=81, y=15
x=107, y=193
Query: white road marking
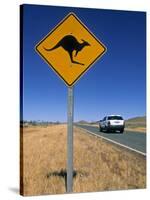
x=112, y=141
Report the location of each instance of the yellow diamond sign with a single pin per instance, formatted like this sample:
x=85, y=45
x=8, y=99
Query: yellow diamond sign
x=70, y=49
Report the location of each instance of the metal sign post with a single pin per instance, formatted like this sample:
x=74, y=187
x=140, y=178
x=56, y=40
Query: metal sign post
x=70, y=141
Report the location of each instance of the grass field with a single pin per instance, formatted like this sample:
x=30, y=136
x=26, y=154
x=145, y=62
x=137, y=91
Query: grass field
x=136, y=124
x=98, y=165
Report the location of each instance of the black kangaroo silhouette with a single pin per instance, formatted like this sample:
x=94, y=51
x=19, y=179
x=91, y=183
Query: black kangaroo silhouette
x=70, y=43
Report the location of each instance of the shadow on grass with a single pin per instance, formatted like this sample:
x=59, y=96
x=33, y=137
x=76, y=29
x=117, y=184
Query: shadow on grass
x=63, y=174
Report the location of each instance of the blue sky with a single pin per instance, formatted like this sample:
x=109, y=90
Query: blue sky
x=115, y=84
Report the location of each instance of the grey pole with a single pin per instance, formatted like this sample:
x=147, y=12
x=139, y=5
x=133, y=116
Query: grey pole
x=70, y=141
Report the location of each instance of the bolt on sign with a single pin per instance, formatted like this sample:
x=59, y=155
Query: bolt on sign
x=70, y=49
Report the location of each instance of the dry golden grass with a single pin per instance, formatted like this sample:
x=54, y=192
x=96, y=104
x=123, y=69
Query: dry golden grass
x=137, y=129
x=97, y=164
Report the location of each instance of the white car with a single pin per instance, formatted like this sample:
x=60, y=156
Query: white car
x=112, y=123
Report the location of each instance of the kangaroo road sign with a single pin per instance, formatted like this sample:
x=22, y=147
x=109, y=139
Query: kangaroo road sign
x=70, y=49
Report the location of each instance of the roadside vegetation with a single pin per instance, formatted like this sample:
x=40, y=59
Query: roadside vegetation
x=136, y=124
x=98, y=165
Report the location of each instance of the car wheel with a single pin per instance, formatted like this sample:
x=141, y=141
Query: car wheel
x=100, y=129
x=107, y=130
x=122, y=130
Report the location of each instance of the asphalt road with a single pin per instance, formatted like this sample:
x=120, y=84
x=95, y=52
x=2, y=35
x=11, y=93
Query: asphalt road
x=134, y=140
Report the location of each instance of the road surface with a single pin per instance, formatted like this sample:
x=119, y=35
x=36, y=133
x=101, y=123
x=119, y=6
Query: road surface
x=135, y=141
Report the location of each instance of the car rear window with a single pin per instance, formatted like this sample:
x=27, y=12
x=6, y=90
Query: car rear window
x=115, y=118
